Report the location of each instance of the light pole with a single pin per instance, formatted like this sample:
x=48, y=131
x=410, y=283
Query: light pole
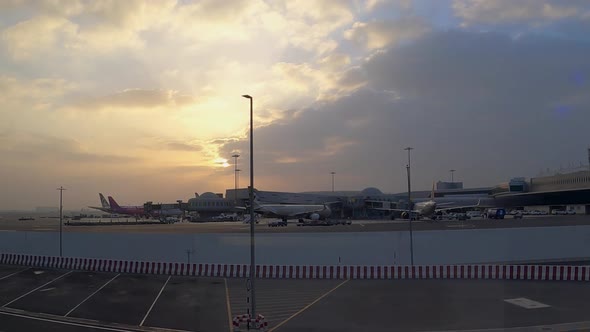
x=252, y=221
x=410, y=207
x=61, y=190
x=333, y=173
x=235, y=156
x=452, y=175
x=238, y=178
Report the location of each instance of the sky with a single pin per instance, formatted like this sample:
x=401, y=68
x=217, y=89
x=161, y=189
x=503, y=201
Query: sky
x=141, y=100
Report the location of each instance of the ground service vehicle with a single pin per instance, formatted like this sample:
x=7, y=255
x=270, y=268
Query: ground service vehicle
x=277, y=223
x=496, y=213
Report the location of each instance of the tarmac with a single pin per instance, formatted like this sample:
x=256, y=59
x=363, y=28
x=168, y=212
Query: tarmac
x=52, y=225
x=39, y=299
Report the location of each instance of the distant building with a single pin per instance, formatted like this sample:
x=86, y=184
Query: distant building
x=440, y=185
x=210, y=204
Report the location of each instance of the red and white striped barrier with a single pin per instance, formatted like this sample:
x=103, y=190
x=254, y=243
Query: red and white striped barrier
x=513, y=272
x=259, y=323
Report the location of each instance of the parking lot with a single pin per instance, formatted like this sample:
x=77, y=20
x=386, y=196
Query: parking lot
x=65, y=300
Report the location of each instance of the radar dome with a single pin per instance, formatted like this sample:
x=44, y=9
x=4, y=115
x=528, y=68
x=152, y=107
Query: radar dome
x=208, y=195
x=371, y=191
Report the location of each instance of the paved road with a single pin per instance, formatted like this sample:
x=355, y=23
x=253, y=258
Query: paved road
x=35, y=299
x=430, y=305
x=11, y=224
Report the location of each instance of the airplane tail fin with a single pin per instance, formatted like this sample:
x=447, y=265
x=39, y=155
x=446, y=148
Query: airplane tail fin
x=103, y=201
x=256, y=203
x=113, y=203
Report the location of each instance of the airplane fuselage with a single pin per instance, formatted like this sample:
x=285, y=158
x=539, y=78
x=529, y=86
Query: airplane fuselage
x=425, y=209
x=130, y=210
x=294, y=210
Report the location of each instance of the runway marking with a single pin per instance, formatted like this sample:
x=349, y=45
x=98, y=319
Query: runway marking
x=47, y=289
x=307, y=306
x=228, y=305
x=98, y=327
x=154, y=303
x=91, y=295
x=47, y=283
x=574, y=326
x=17, y=272
x=461, y=226
x=527, y=303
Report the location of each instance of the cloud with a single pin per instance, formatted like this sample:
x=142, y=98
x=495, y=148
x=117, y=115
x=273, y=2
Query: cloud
x=182, y=146
x=391, y=6
x=334, y=61
x=380, y=34
x=51, y=7
x=535, y=11
x=37, y=35
x=482, y=103
x=317, y=83
x=43, y=148
x=39, y=93
x=136, y=98
x=461, y=67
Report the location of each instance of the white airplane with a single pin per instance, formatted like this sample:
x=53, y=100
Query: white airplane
x=429, y=208
x=292, y=211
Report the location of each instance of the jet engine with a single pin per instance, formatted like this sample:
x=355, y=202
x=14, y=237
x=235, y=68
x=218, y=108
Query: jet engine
x=314, y=216
x=405, y=215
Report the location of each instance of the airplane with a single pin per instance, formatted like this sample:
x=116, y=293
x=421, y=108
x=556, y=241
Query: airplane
x=105, y=205
x=429, y=208
x=127, y=210
x=292, y=211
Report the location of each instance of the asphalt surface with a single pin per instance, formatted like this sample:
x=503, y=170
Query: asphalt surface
x=12, y=224
x=61, y=300
x=429, y=305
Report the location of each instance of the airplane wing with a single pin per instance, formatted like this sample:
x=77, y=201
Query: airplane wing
x=99, y=208
x=304, y=213
x=459, y=207
x=398, y=210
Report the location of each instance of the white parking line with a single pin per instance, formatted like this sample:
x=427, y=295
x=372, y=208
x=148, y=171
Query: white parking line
x=309, y=305
x=228, y=306
x=155, y=300
x=20, y=297
x=527, y=303
x=97, y=327
x=17, y=272
x=91, y=295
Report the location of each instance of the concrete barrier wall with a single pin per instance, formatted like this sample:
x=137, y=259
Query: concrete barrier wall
x=464, y=246
x=481, y=271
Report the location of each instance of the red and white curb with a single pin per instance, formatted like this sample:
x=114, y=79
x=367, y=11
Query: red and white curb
x=520, y=272
x=259, y=323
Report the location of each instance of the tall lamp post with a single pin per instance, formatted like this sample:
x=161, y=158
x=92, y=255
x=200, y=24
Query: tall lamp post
x=409, y=149
x=452, y=175
x=235, y=156
x=333, y=173
x=61, y=190
x=252, y=221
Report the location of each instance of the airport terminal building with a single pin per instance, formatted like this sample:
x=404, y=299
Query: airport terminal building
x=569, y=191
